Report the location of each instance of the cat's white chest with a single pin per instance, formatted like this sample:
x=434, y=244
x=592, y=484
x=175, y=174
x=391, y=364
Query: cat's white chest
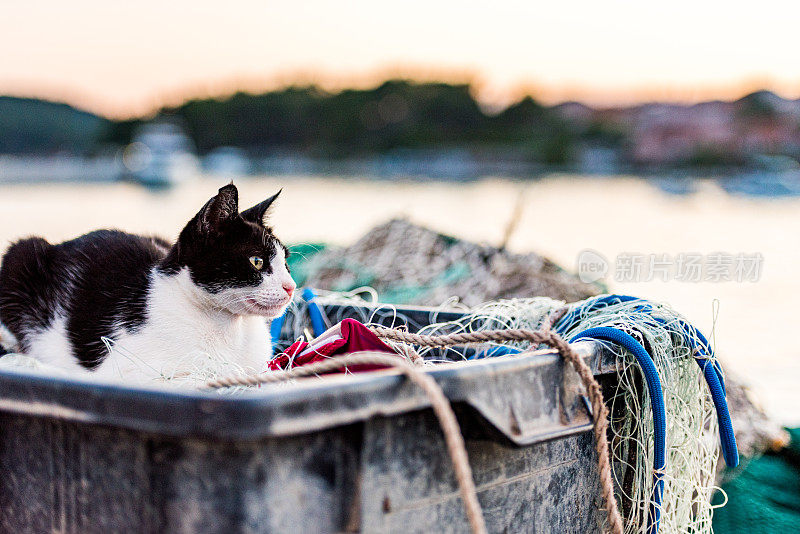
x=184, y=336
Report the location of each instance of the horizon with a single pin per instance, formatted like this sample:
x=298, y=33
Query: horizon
x=177, y=101
x=123, y=62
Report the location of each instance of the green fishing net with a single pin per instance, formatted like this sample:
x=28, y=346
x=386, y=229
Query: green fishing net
x=763, y=494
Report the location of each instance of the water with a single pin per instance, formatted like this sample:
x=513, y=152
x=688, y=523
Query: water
x=562, y=216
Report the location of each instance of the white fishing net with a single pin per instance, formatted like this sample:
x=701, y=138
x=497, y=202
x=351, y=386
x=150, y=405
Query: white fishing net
x=692, y=443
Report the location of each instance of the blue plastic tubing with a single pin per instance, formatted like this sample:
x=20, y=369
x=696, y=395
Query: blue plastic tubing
x=711, y=372
x=275, y=328
x=645, y=307
x=703, y=356
x=729, y=451
x=656, y=400
x=314, y=313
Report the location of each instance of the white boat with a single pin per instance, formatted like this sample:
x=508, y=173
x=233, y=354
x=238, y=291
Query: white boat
x=161, y=154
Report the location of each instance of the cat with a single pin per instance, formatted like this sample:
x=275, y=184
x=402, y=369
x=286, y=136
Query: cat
x=125, y=306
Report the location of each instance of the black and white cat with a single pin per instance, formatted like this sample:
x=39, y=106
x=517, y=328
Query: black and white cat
x=164, y=308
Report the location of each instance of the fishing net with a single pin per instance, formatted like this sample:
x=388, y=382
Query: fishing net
x=407, y=263
x=764, y=494
x=692, y=446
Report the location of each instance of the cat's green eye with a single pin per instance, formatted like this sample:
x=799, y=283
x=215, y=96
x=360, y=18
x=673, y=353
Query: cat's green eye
x=257, y=262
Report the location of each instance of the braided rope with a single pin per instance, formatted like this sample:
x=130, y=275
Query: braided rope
x=441, y=407
x=551, y=339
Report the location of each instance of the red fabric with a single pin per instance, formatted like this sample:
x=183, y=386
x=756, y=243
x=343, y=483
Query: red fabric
x=355, y=337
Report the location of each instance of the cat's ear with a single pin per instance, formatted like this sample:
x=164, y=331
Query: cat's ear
x=220, y=209
x=257, y=214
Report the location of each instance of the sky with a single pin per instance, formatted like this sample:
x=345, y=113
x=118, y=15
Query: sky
x=123, y=58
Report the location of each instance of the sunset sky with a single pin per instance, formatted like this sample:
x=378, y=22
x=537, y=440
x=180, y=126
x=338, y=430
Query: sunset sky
x=122, y=58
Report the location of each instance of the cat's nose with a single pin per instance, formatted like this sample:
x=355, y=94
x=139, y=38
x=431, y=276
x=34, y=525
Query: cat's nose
x=289, y=288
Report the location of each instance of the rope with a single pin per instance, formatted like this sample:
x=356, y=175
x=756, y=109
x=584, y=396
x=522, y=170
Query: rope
x=441, y=408
x=546, y=337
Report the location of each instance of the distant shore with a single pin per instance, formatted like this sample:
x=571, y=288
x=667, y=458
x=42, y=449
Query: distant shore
x=401, y=117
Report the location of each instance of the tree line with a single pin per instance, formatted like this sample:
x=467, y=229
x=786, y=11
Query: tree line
x=398, y=114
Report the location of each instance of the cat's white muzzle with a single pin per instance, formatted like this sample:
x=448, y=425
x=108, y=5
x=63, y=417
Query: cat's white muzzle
x=270, y=310
x=269, y=299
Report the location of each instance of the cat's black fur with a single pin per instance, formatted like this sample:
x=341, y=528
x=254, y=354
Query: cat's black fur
x=100, y=281
x=213, y=251
x=102, y=277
